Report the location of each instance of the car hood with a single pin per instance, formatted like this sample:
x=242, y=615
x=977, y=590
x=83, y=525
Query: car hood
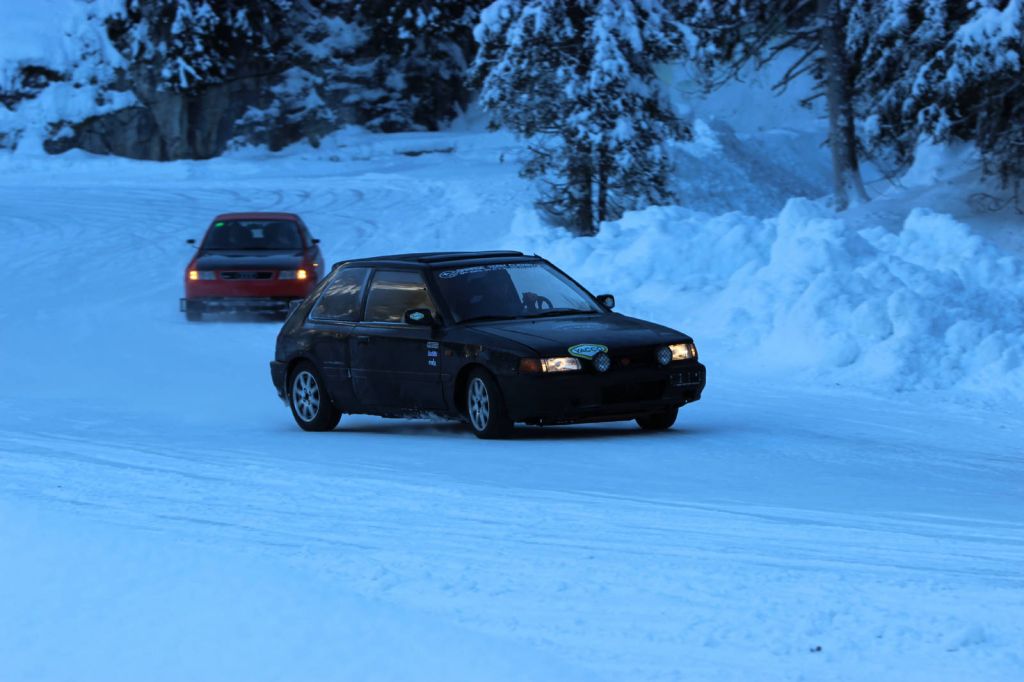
x=249, y=260
x=554, y=336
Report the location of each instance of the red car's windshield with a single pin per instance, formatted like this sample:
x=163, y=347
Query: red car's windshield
x=247, y=235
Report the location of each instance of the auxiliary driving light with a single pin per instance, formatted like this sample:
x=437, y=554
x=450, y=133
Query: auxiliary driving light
x=602, y=362
x=664, y=355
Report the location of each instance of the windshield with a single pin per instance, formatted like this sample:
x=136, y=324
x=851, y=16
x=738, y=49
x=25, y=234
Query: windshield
x=511, y=290
x=246, y=235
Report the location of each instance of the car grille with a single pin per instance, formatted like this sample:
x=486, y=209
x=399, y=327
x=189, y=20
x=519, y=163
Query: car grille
x=634, y=358
x=246, y=274
x=635, y=392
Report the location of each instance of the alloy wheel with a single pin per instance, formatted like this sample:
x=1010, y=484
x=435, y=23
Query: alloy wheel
x=305, y=396
x=479, y=404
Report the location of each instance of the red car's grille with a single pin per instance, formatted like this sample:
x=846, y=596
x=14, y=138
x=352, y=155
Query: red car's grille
x=246, y=274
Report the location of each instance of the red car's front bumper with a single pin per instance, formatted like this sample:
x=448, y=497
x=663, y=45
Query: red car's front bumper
x=253, y=295
x=248, y=288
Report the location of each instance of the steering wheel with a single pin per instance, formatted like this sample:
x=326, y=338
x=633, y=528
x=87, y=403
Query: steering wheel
x=535, y=302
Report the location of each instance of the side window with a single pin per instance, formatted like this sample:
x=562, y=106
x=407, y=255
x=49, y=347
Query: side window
x=340, y=300
x=394, y=292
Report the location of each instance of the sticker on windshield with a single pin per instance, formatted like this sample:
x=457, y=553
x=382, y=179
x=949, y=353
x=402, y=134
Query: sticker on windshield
x=587, y=350
x=449, y=274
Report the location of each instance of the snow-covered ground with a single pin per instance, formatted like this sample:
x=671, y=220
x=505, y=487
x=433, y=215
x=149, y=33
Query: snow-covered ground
x=161, y=517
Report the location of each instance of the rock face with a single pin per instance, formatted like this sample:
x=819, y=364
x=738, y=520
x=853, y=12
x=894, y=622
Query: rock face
x=168, y=125
x=198, y=125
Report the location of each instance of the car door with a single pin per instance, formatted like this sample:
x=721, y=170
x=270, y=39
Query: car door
x=396, y=366
x=330, y=326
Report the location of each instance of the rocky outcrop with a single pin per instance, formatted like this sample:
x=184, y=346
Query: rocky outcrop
x=166, y=125
x=170, y=125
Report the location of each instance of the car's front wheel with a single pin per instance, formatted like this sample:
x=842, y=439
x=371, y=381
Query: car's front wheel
x=311, y=406
x=485, y=406
x=658, y=421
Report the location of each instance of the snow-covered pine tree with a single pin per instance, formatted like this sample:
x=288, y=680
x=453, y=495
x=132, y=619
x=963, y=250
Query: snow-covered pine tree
x=896, y=43
x=576, y=79
x=944, y=70
x=190, y=44
x=972, y=87
x=416, y=54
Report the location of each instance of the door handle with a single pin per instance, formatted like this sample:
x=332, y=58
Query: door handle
x=362, y=339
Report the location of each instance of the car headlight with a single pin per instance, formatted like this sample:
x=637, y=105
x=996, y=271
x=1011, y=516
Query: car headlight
x=293, y=274
x=683, y=351
x=201, y=274
x=559, y=364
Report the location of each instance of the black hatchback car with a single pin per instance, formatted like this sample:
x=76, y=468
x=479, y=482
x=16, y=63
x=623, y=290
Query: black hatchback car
x=491, y=338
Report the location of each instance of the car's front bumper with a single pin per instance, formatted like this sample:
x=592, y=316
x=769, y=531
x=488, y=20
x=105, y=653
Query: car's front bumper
x=591, y=396
x=252, y=304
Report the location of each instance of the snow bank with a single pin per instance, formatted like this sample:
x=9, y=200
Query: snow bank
x=928, y=306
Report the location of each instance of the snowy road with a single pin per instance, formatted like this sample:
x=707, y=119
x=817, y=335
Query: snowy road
x=156, y=498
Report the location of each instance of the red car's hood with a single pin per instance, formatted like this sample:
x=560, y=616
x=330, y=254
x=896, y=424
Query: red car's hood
x=249, y=260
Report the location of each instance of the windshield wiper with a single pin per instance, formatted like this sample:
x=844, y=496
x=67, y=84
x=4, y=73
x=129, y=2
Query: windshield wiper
x=562, y=311
x=489, y=318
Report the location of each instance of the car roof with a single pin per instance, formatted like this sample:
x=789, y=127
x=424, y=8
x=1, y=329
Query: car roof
x=258, y=215
x=433, y=259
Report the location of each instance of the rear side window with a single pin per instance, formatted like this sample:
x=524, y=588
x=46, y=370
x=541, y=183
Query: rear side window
x=340, y=300
x=394, y=292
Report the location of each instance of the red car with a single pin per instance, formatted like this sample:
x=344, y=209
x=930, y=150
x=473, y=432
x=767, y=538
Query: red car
x=253, y=262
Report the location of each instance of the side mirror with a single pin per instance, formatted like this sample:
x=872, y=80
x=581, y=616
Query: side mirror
x=316, y=241
x=190, y=242
x=293, y=305
x=420, y=317
x=607, y=300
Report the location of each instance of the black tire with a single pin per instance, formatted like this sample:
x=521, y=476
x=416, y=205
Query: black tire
x=307, y=396
x=658, y=421
x=485, y=406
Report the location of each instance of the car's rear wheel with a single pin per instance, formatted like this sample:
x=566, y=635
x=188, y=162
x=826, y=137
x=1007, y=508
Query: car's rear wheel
x=485, y=406
x=658, y=421
x=311, y=406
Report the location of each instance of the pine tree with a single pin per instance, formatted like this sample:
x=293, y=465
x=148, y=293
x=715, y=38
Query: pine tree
x=416, y=54
x=575, y=78
x=945, y=70
x=973, y=87
x=191, y=44
x=819, y=32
